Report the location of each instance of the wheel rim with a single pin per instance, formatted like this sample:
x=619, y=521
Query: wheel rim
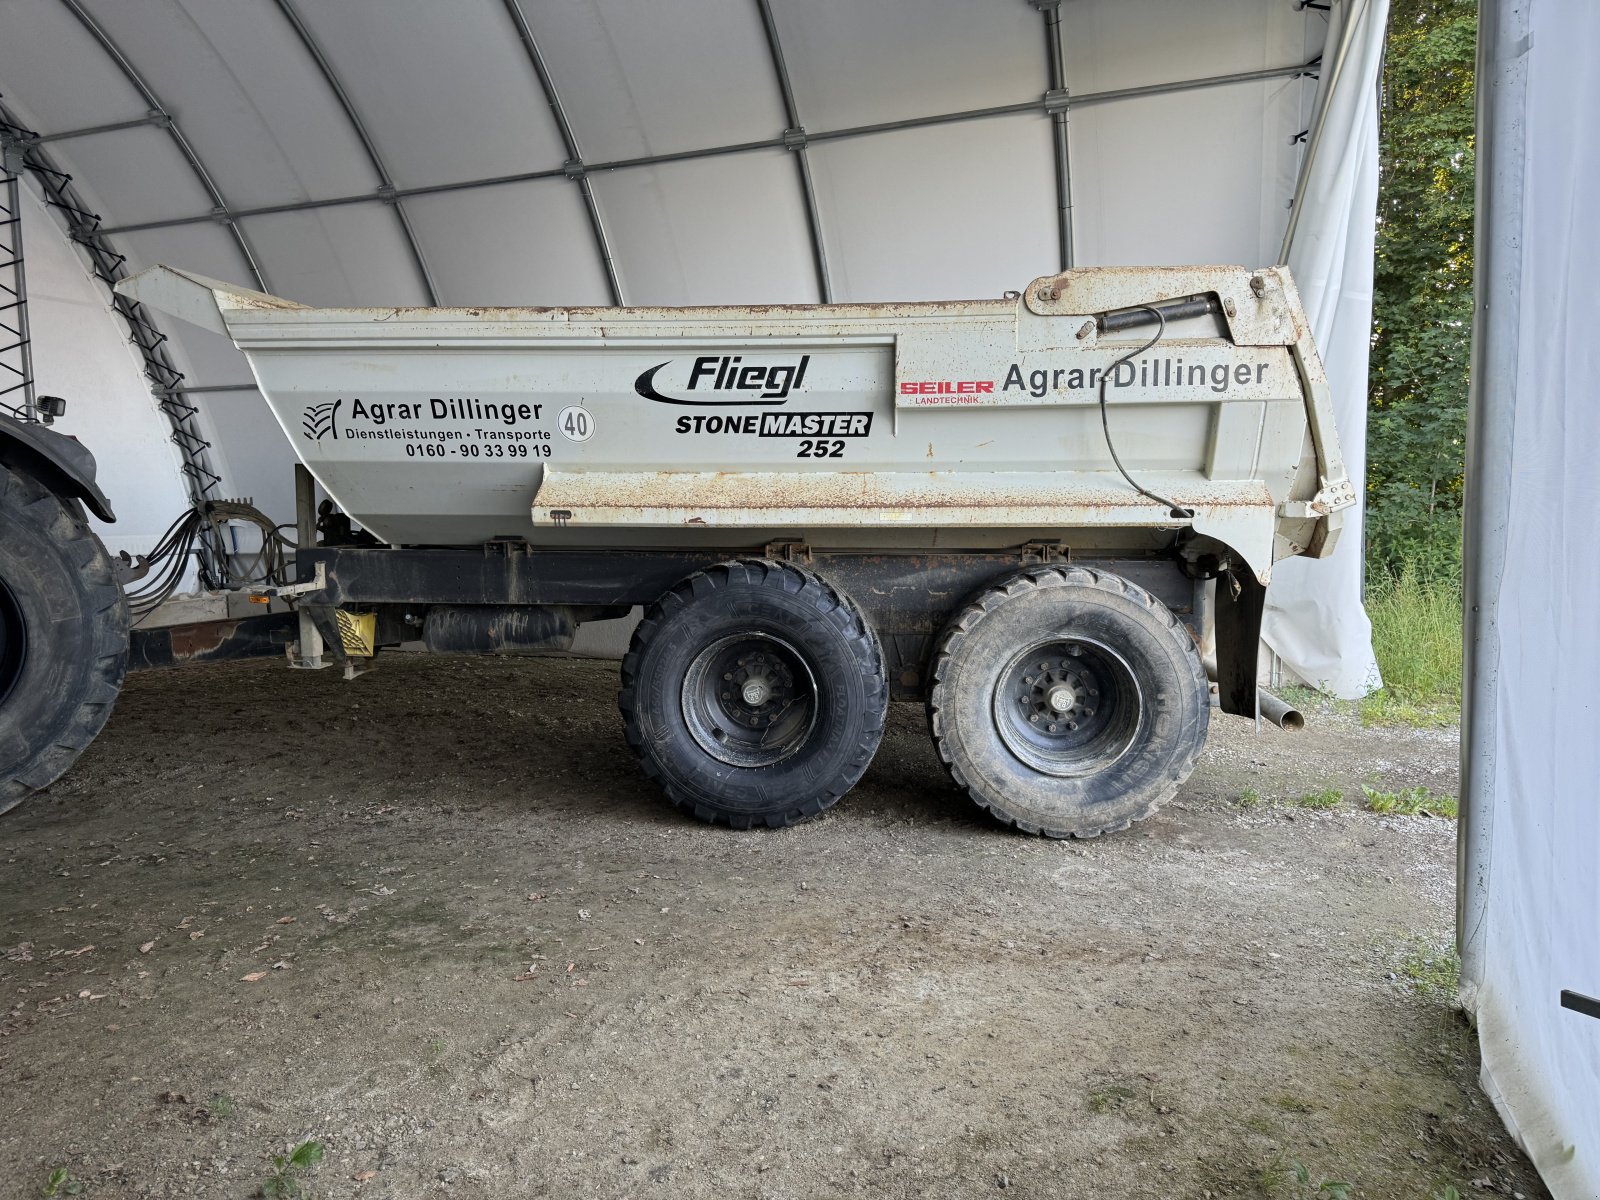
x=1068, y=706
x=750, y=700
x=13, y=641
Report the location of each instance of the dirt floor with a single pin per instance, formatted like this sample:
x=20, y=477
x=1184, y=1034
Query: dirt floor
x=437, y=921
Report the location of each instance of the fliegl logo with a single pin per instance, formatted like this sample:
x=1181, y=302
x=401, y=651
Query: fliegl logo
x=726, y=379
x=321, y=420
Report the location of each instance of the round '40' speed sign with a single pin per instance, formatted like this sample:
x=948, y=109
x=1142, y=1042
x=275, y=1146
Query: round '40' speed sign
x=576, y=423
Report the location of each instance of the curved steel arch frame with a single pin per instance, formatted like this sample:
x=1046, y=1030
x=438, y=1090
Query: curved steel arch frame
x=1020, y=108
x=795, y=138
x=132, y=75
x=385, y=182
x=573, y=168
x=84, y=230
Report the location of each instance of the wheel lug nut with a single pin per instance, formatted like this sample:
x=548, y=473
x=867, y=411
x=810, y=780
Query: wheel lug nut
x=1051, y=728
x=1072, y=724
x=1034, y=718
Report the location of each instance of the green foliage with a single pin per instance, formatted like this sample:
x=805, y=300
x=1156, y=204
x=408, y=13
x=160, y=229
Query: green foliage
x=1416, y=634
x=1411, y=802
x=1302, y=1183
x=1110, y=1097
x=287, y=1179
x=61, y=1183
x=1432, y=971
x=1325, y=798
x=1422, y=289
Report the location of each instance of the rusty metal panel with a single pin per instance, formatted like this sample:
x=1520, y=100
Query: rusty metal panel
x=210, y=641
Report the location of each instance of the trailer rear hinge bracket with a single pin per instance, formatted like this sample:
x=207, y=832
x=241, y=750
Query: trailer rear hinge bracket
x=1045, y=552
x=791, y=550
x=1331, y=499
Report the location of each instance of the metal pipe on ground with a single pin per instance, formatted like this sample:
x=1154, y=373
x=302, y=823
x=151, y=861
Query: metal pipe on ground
x=1278, y=711
x=1271, y=708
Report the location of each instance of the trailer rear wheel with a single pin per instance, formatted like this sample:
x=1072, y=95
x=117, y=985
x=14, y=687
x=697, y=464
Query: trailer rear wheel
x=754, y=693
x=1068, y=702
x=63, y=636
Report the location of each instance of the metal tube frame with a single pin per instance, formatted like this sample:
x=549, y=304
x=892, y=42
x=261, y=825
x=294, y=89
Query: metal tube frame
x=14, y=329
x=1057, y=100
x=794, y=137
x=132, y=75
x=574, y=168
x=1024, y=107
x=84, y=230
x=385, y=183
x=1502, y=68
x=1319, y=122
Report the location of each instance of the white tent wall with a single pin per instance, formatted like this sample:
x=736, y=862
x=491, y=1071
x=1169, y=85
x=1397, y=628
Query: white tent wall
x=484, y=105
x=1315, y=622
x=1529, y=893
x=81, y=352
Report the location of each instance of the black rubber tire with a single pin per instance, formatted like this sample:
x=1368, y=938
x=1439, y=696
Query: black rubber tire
x=757, y=598
x=1063, y=602
x=61, y=590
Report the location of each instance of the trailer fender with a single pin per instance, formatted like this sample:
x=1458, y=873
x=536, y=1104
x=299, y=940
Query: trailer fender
x=61, y=463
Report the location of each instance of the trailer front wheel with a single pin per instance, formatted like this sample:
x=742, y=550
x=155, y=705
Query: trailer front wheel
x=1068, y=702
x=63, y=636
x=754, y=693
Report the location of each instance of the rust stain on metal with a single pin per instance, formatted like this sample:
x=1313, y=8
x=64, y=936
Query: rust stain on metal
x=590, y=493
x=192, y=641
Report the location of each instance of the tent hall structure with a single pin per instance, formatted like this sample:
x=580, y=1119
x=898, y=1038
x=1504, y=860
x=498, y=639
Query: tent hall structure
x=511, y=152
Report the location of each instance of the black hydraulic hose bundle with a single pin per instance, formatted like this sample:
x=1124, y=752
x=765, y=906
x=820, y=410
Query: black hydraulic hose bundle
x=201, y=533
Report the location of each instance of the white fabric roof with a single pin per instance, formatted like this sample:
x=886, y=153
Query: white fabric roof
x=402, y=151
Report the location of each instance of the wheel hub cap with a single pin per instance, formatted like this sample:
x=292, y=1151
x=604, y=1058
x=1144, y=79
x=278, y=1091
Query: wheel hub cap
x=1068, y=706
x=749, y=699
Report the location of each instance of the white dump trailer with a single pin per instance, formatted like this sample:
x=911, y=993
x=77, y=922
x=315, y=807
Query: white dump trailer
x=1015, y=510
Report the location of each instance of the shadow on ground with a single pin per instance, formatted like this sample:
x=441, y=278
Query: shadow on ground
x=436, y=920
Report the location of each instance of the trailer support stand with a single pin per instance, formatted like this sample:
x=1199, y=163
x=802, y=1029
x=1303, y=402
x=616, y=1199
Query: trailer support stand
x=305, y=653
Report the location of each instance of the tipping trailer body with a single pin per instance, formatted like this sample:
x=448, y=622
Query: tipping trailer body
x=1015, y=510
x=973, y=424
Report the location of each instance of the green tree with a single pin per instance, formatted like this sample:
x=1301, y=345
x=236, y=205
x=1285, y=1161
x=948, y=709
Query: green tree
x=1422, y=289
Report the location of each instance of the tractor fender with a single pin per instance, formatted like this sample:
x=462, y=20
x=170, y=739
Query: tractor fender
x=58, y=461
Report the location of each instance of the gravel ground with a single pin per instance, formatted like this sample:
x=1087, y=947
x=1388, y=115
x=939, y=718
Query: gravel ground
x=436, y=920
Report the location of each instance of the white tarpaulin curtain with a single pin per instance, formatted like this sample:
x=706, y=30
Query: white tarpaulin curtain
x=1530, y=891
x=1315, y=621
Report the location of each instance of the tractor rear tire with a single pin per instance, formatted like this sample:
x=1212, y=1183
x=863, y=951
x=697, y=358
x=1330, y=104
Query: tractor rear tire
x=63, y=636
x=1068, y=702
x=754, y=693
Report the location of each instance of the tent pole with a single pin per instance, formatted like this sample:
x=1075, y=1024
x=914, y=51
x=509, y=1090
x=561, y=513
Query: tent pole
x=1353, y=12
x=1110, y=96
x=1491, y=418
x=1056, y=103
